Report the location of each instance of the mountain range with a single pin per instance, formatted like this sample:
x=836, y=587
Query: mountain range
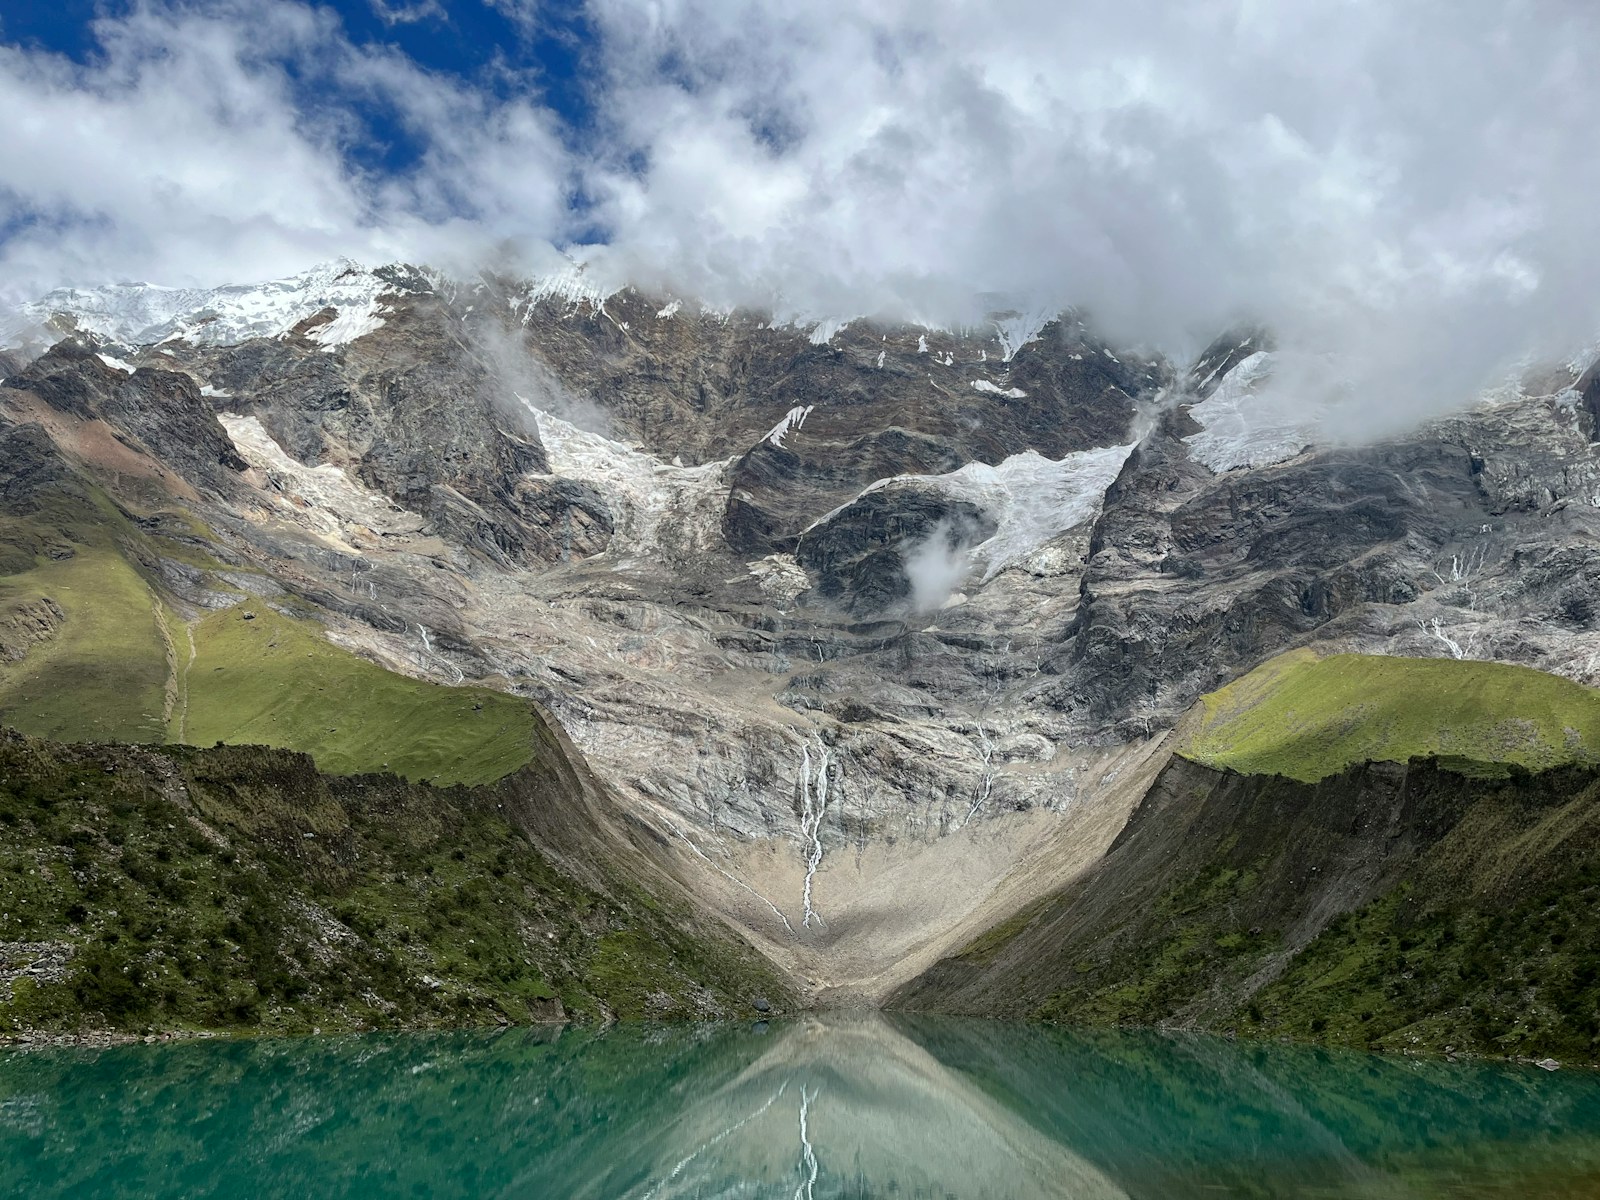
x=863, y=662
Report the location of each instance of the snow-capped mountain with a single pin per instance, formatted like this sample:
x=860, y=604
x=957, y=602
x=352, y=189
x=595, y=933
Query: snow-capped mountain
x=142, y=314
x=813, y=606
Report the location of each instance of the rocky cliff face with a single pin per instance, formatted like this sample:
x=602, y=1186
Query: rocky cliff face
x=879, y=629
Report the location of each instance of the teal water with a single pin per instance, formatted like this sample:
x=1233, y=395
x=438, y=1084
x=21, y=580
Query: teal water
x=803, y=1110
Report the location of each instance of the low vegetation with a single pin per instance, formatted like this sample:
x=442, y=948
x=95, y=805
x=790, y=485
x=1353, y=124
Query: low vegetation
x=237, y=888
x=1307, y=717
x=273, y=680
x=1395, y=854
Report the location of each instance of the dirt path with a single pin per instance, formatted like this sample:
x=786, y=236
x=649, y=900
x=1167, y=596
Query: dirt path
x=183, y=713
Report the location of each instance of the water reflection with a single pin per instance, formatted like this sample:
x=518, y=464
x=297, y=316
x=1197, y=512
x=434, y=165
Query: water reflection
x=852, y=1107
x=817, y=1108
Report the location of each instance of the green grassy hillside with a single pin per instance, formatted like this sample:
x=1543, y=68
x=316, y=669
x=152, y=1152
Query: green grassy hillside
x=103, y=675
x=121, y=663
x=1394, y=853
x=1307, y=717
x=1392, y=907
x=276, y=681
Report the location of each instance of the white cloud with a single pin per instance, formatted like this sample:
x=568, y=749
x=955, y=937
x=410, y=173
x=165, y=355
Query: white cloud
x=523, y=14
x=1400, y=188
x=1395, y=185
x=401, y=12
x=185, y=153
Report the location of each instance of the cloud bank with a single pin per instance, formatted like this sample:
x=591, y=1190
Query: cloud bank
x=1402, y=189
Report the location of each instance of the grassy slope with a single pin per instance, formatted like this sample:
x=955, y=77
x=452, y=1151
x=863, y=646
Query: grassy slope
x=276, y=681
x=118, y=667
x=190, y=896
x=1307, y=718
x=104, y=675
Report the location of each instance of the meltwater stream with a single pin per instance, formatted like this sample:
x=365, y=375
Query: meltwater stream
x=802, y=1110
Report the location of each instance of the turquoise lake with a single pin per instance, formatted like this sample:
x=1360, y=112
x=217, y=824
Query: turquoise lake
x=810, y=1108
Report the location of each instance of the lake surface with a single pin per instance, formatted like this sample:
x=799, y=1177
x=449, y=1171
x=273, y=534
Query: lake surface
x=810, y=1109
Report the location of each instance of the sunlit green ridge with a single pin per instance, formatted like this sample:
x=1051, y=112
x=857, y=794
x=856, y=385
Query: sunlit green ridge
x=1308, y=717
x=121, y=664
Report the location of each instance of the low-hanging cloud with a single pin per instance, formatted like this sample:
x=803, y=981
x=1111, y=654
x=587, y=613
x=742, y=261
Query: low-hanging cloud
x=1402, y=190
x=936, y=565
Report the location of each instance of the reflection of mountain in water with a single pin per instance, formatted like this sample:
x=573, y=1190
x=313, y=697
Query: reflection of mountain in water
x=850, y=1107
x=813, y=1110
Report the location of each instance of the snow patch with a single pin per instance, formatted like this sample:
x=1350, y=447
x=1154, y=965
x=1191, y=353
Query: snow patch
x=323, y=498
x=994, y=389
x=670, y=310
x=350, y=324
x=1031, y=498
x=1242, y=426
x=116, y=363
x=659, y=509
x=144, y=313
x=823, y=331
x=1018, y=329
x=792, y=420
x=572, y=285
x=922, y=343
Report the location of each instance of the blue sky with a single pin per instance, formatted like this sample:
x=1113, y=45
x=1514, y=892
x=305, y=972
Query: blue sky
x=544, y=50
x=1401, y=187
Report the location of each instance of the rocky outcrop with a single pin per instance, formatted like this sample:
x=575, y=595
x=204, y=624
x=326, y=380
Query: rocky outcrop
x=415, y=412
x=27, y=624
x=161, y=411
x=29, y=466
x=1588, y=389
x=777, y=492
x=71, y=378
x=1193, y=579
x=867, y=557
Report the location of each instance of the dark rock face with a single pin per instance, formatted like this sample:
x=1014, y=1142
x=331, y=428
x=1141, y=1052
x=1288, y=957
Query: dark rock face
x=860, y=556
x=70, y=378
x=1194, y=578
x=1059, y=394
x=163, y=410
x=44, y=497
x=1222, y=356
x=421, y=417
x=1588, y=389
x=29, y=466
x=776, y=492
x=878, y=400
